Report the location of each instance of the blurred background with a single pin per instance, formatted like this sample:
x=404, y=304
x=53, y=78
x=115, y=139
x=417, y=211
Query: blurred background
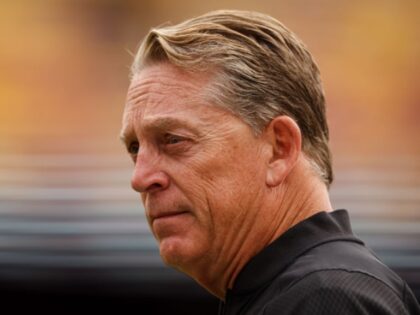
x=73, y=237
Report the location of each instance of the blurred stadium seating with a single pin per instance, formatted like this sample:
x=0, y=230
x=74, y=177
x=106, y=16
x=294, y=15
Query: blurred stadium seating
x=72, y=233
x=73, y=237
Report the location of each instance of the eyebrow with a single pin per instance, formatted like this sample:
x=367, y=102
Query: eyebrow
x=158, y=124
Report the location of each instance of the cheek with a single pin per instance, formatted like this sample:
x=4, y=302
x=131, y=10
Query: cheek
x=220, y=183
x=228, y=192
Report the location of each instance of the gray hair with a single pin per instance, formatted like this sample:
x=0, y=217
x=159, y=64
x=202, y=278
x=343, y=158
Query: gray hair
x=262, y=70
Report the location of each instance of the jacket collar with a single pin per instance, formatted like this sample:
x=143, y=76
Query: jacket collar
x=320, y=228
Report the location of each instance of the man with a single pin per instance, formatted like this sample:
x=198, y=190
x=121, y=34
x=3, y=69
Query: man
x=225, y=123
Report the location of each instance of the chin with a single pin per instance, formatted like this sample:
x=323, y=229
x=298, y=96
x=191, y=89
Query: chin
x=176, y=253
x=171, y=251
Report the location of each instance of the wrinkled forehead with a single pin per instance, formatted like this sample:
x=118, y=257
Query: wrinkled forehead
x=163, y=91
x=165, y=83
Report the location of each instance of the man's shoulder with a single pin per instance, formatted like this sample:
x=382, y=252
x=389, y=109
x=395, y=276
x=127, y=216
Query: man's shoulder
x=338, y=258
x=338, y=278
x=338, y=291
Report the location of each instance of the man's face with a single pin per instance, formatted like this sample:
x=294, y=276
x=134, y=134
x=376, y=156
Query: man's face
x=197, y=166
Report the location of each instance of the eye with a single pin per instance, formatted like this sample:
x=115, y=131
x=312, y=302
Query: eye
x=172, y=139
x=133, y=148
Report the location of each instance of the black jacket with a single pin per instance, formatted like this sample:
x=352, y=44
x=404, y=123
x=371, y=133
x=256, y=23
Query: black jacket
x=319, y=267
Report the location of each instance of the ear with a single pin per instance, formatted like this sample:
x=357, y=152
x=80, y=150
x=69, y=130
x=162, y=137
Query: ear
x=286, y=140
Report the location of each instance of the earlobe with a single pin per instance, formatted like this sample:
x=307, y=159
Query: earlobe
x=275, y=173
x=285, y=139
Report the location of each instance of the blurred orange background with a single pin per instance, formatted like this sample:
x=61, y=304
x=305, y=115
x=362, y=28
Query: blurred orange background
x=68, y=217
x=64, y=74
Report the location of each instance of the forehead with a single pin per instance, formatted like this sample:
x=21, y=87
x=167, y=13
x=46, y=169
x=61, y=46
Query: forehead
x=164, y=90
x=164, y=80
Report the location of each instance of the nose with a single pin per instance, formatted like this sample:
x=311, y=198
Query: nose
x=148, y=177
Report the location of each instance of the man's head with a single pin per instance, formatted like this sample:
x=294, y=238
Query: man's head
x=261, y=70
x=225, y=123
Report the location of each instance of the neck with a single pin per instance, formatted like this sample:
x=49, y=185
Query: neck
x=300, y=196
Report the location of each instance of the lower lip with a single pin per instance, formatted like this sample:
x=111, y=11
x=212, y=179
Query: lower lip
x=169, y=224
x=170, y=216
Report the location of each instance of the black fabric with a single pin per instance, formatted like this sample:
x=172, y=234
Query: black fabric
x=318, y=267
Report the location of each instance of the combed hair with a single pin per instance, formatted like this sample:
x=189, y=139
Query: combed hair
x=261, y=70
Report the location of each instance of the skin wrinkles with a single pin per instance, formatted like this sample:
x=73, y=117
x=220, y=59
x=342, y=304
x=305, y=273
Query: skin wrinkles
x=233, y=243
x=221, y=130
x=239, y=244
x=148, y=93
x=151, y=85
x=300, y=190
x=210, y=183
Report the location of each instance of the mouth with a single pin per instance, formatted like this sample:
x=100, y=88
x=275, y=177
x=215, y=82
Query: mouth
x=165, y=224
x=166, y=215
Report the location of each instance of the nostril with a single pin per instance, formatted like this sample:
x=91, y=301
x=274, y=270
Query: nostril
x=155, y=186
